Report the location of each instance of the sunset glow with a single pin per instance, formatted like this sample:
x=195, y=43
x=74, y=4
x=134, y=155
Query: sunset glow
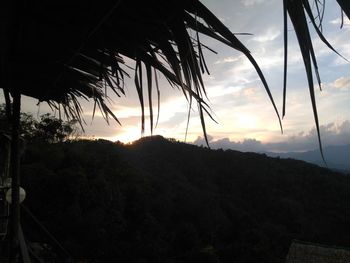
x=236, y=95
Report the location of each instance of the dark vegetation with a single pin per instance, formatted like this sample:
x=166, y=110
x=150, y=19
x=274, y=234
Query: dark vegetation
x=159, y=200
x=46, y=128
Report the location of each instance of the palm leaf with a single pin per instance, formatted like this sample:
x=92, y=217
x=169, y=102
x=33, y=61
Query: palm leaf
x=78, y=51
x=64, y=52
x=297, y=11
x=345, y=6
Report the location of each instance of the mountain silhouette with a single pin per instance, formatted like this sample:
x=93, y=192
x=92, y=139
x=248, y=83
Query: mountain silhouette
x=159, y=200
x=337, y=157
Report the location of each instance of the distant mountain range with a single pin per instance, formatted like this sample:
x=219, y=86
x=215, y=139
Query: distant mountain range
x=337, y=157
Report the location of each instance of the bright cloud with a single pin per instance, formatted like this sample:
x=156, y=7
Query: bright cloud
x=338, y=21
x=342, y=83
x=251, y=2
x=227, y=60
x=269, y=35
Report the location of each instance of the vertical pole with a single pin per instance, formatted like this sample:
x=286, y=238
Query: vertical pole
x=15, y=174
x=10, y=30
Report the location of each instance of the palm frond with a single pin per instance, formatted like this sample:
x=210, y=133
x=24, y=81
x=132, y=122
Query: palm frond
x=74, y=50
x=299, y=12
x=65, y=50
x=345, y=6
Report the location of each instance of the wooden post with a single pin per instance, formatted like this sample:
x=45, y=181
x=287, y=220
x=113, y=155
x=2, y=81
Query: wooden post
x=15, y=174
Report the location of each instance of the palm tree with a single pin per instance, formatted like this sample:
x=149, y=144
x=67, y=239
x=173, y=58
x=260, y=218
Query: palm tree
x=58, y=51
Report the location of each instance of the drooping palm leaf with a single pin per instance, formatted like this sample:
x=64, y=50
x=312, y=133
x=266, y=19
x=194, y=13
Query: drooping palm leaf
x=74, y=49
x=345, y=6
x=65, y=50
x=299, y=12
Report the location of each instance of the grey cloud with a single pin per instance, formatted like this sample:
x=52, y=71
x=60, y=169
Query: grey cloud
x=331, y=134
x=247, y=145
x=176, y=119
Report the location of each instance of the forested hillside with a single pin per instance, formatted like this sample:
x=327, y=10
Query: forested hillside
x=163, y=201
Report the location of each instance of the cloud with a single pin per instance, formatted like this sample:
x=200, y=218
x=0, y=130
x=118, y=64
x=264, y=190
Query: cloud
x=247, y=145
x=338, y=21
x=331, y=134
x=342, y=83
x=269, y=35
x=229, y=59
x=251, y=2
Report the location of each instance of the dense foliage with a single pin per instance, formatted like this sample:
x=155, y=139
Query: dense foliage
x=163, y=201
x=46, y=128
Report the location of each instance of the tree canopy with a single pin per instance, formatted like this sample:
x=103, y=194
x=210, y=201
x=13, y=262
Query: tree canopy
x=47, y=128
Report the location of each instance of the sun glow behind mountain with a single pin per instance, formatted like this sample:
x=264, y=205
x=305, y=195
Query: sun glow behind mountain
x=236, y=95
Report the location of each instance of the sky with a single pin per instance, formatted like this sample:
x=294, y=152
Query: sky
x=239, y=103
